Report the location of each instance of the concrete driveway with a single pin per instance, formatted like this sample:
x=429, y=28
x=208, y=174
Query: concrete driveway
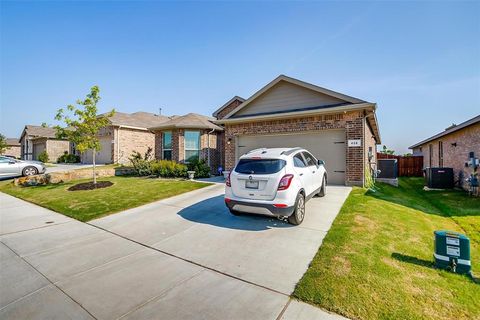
x=183, y=257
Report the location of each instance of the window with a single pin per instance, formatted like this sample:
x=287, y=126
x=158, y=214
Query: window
x=310, y=159
x=167, y=145
x=4, y=160
x=260, y=166
x=440, y=154
x=192, y=145
x=298, y=161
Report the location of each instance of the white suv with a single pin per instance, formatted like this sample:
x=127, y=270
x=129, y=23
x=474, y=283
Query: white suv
x=275, y=182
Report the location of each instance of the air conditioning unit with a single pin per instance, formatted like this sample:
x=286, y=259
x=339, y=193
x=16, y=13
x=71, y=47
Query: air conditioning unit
x=439, y=178
x=387, y=168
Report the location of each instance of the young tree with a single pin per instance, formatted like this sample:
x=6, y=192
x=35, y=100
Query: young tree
x=3, y=144
x=83, y=124
x=385, y=150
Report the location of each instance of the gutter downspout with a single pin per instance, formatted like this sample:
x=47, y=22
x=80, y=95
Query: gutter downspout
x=364, y=146
x=208, y=147
x=118, y=143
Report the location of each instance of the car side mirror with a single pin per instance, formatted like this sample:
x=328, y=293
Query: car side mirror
x=320, y=162
x=12, y=162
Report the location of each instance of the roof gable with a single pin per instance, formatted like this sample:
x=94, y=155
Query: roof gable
x=449, y=130
x=188, y=121
x=286, y=94
x=227, y=104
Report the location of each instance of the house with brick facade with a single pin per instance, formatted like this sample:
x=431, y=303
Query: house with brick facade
x=127, y=133
x=452, y=148
x=13, y=148
x=36, y=139
x=337, y=128
x=178, y=138
x=188, y=137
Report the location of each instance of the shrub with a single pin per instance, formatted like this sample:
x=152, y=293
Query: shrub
x=142, y=165
x=202, y=170
x=68, y=158
x=168, y=169
x=43, y=156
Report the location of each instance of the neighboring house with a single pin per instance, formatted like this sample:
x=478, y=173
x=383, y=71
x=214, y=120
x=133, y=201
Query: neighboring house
x=188, y=137
x=339, y=129
x=13, y=148
x=452, y=148
x=36, y=139
x=126, y=134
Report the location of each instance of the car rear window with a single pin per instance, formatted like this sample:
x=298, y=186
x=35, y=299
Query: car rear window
x=259, y=166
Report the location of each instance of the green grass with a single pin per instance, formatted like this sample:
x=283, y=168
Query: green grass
x=376, y=261
x=127, y=192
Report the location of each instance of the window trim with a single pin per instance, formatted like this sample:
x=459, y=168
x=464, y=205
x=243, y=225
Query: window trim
x=185, y=144
x=163, y=145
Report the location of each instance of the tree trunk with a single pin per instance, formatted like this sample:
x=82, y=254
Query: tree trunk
x=93, y=158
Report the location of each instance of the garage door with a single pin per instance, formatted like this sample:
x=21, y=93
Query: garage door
x=102, y=156
x=327, y=145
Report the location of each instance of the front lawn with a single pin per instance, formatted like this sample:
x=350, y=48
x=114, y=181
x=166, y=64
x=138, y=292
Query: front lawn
x=376, y=261
x=126, y=192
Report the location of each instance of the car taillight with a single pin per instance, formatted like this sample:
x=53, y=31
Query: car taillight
x=227, y=182
x=285, y=182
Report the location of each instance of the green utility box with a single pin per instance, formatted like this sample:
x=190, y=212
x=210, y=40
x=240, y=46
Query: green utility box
x=452, y=251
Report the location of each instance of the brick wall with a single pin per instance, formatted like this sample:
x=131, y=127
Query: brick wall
x=352, y=122
x=454, y=156
x=178, y=146
x=14, y=151
x=56, y=148
x=228, y=109
x=130, y=140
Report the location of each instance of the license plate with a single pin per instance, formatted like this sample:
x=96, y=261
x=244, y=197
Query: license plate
x=249, y=184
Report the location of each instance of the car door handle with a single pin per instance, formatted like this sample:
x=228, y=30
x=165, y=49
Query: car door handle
x=301, y=174
x=314, y=171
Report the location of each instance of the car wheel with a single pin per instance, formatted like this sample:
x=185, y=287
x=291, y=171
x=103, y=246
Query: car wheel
x=235, y=212
x=298, y=214
x=323, y=189
x=29, y=171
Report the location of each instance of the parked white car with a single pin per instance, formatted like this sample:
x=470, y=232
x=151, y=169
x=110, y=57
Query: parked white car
x=10, y=167
x=275, y=182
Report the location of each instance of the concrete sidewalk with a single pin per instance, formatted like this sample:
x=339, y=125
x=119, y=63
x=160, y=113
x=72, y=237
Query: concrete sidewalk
x=54, y=267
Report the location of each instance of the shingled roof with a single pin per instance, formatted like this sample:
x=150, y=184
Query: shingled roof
x=12, y=142
x=449, y=130
x=141, y=120
x=39, y=131
x=188, y=121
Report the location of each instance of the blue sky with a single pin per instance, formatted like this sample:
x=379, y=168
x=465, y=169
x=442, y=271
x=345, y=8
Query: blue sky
x=419, y=61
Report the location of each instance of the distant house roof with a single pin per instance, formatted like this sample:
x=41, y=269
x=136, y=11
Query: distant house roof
x=12, y=142
x=39, y=132
x=188, y=121
x=449, y=130
x=215, y=113
x=141, y=120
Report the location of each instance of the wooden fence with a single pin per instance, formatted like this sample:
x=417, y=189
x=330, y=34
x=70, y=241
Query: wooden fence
x=410, y=166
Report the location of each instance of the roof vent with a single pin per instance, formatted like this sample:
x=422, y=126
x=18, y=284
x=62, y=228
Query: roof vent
x=450, y=127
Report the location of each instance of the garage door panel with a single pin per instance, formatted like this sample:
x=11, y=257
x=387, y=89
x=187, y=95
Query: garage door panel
x=328, y=145
x=103, y=156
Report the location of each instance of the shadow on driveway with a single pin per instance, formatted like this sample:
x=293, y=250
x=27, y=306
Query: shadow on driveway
x=213, y=211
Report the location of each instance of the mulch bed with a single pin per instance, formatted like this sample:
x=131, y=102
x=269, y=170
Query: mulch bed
x=90, y=186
